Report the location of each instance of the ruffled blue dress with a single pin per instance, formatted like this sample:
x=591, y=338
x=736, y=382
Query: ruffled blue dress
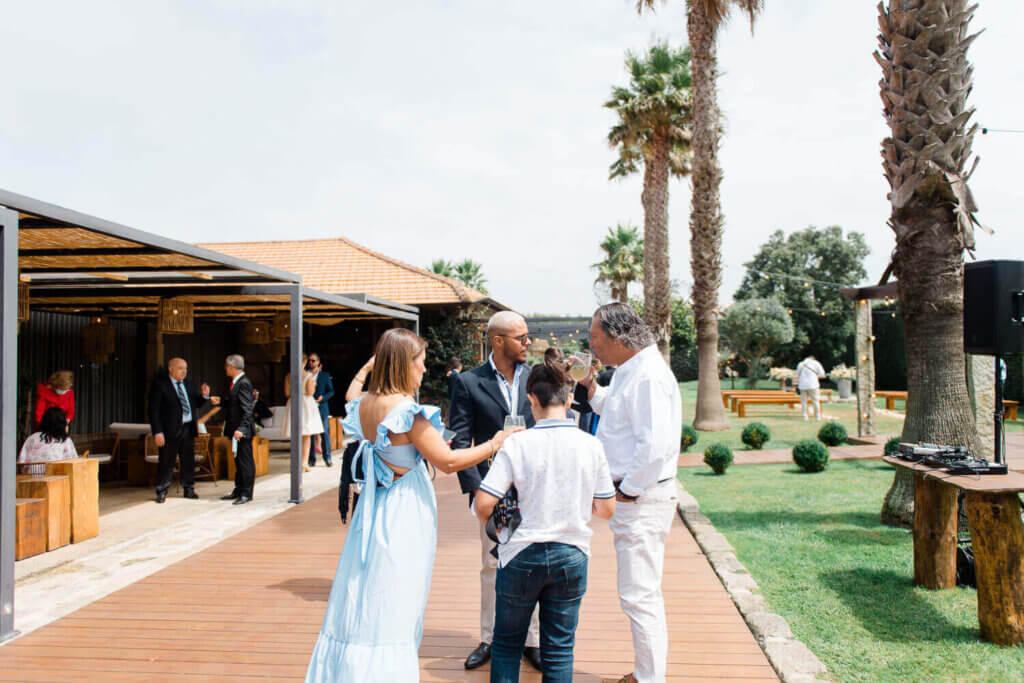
x=374, y=621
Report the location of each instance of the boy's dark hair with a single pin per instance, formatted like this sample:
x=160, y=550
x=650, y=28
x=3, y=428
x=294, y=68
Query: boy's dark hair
x=549, y=382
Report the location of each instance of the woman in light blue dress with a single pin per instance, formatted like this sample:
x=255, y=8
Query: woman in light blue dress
x=374, y=620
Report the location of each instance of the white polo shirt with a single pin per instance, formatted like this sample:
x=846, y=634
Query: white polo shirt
x=558, y=471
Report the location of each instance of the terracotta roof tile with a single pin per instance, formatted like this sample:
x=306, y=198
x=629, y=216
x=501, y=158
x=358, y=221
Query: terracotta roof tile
x=339, y=266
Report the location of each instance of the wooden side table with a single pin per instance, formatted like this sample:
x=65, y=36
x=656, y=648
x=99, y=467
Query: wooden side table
x=30, y=527
x=83, y=478
x=997, y=535
x=57, y=493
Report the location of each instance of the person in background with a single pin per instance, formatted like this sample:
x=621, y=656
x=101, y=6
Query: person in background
x=451, y=371
x=483, y=398
x=173, y=419
x=561, y=477
x=323, y=392
x=641, y=419
x=50, y=443
x=311, y=425
x=56, y=392
x=238, y=426
x=260, y=411
x=808, y=372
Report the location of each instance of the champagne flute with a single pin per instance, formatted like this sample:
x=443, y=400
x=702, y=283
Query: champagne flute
x=580, y=365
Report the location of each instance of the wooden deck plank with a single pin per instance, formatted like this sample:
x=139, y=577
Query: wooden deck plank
x=251, y=606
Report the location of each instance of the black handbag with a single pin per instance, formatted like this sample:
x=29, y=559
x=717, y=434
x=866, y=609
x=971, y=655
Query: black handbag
x=504, y=520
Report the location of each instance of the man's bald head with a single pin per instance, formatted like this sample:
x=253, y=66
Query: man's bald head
x=177, y=368
x=504, y=322
x=509, y=336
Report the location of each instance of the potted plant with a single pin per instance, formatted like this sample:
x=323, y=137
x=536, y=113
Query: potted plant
x=843, y=377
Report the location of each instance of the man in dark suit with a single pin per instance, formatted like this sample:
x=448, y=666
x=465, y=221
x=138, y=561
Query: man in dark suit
x=173, y=416
x=323, y=393
x=239, y=427
x=481, y=399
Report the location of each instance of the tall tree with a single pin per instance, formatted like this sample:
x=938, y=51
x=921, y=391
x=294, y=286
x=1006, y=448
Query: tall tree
x=442, y=267
x=653, y=128
x=704, y=18
x=926, y=80
x=804, y=271
x=623, y=261
x=470, y=273
x=753, y=329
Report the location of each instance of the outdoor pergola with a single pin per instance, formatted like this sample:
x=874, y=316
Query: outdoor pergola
x=58, y=260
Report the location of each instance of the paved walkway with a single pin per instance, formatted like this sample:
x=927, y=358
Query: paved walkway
x=250, y=607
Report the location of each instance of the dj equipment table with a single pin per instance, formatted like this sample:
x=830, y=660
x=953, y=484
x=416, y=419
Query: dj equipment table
x=997, y=535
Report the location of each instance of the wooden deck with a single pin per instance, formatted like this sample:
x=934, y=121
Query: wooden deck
x=251, y=607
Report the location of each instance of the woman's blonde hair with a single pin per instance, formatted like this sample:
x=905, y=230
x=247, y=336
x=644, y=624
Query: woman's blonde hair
x=62, y=379
x=392, y=365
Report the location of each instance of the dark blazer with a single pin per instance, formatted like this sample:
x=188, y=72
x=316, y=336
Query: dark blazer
x=478, y=410
x=165, y=408
x=238, y=407
x=325, y=388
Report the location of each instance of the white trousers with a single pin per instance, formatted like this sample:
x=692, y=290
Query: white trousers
x=488, y=576
x=815, y=397
x=640, y=529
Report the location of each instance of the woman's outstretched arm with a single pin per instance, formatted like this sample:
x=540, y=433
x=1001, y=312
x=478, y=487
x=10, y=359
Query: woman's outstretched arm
x=429, y=443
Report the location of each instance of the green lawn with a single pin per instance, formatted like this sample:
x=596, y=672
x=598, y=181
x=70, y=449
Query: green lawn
x=787, y=426
x=842, y=580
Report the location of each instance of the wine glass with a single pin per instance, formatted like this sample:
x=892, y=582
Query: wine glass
x=515, y=423
x=580, y=367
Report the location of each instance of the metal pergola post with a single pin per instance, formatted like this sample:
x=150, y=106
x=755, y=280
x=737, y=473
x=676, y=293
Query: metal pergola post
x=295, y=418
x=8, y=412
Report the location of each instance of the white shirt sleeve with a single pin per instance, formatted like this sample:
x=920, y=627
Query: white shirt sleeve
x=597, y=400
x=603, y=486
x=652, y=438
x=499, y=477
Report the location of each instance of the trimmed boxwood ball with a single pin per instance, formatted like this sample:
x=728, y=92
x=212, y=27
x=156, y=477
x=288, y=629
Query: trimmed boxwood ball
x=892, y=446
x=718, y=457
x=810, y=455
x=832, y=433
x=756, y=434
x=688, y=438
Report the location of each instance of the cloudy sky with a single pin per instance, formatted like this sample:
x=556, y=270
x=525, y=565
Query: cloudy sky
x=467, y=128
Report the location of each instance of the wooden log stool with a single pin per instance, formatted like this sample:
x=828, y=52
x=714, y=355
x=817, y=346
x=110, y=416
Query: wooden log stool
x=57, y=492
x=997, y=537
x=83, y=477
x=30, y=527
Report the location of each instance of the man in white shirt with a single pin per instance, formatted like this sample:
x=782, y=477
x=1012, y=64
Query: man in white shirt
x=807, y=373
x=641, y=420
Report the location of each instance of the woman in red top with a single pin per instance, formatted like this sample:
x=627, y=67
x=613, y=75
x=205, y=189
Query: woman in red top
x=56, y=392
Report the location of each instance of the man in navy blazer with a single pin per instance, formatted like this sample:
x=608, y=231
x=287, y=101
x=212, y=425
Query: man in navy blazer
x=323, y=393
x=481, y=399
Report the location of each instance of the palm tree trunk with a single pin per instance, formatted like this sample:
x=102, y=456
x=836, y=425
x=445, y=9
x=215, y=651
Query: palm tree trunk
x=657, y=285
x=929, y=265
x=705, y=218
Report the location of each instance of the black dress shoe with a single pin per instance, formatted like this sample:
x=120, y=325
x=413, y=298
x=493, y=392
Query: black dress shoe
x=328, y=461
x=190, y=493
x=231, y=496
x=311, y=461
x=161, y=496
x=242, y=500
x=478, y=657
x=532, y=655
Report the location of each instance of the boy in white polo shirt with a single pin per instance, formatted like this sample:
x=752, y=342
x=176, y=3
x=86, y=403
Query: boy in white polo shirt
x=561, y=476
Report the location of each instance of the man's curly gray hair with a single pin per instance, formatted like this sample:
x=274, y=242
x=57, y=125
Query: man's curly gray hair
x=621, y=322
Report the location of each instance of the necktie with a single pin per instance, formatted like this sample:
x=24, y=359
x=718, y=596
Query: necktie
x=185, y=408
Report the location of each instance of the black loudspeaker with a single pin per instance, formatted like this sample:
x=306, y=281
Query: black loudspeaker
x=994, y=307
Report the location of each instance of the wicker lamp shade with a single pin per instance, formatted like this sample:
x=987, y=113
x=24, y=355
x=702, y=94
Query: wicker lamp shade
x=175, y=317
x=257, y=332
x=281, y=330
x=98, y=340
x=23, y=309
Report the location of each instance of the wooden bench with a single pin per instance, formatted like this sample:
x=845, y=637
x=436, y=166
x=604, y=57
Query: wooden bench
x=729, y=394
x=1010, y=409
x=742, y=403
x=734, y=400
x=83, y=480
x=56, y=491
x=890, y=398
x=30, y=527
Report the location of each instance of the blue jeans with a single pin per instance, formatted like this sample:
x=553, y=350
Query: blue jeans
x=555, y=575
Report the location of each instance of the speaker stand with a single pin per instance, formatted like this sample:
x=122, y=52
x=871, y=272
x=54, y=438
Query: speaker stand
x=998, y=450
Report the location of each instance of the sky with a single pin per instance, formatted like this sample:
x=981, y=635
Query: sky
x=465, y=128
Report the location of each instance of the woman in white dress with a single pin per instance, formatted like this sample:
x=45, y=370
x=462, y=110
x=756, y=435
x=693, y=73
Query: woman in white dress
x=311, y=423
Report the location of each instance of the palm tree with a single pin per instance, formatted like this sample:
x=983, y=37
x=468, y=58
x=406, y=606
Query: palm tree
x=442, y=267
x=623, y=262
x=926, y=80
x=653, y=128
x=470, y=273
x=704, y=18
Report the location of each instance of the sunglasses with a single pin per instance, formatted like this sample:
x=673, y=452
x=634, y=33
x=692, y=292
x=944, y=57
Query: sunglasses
x=523, y=340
